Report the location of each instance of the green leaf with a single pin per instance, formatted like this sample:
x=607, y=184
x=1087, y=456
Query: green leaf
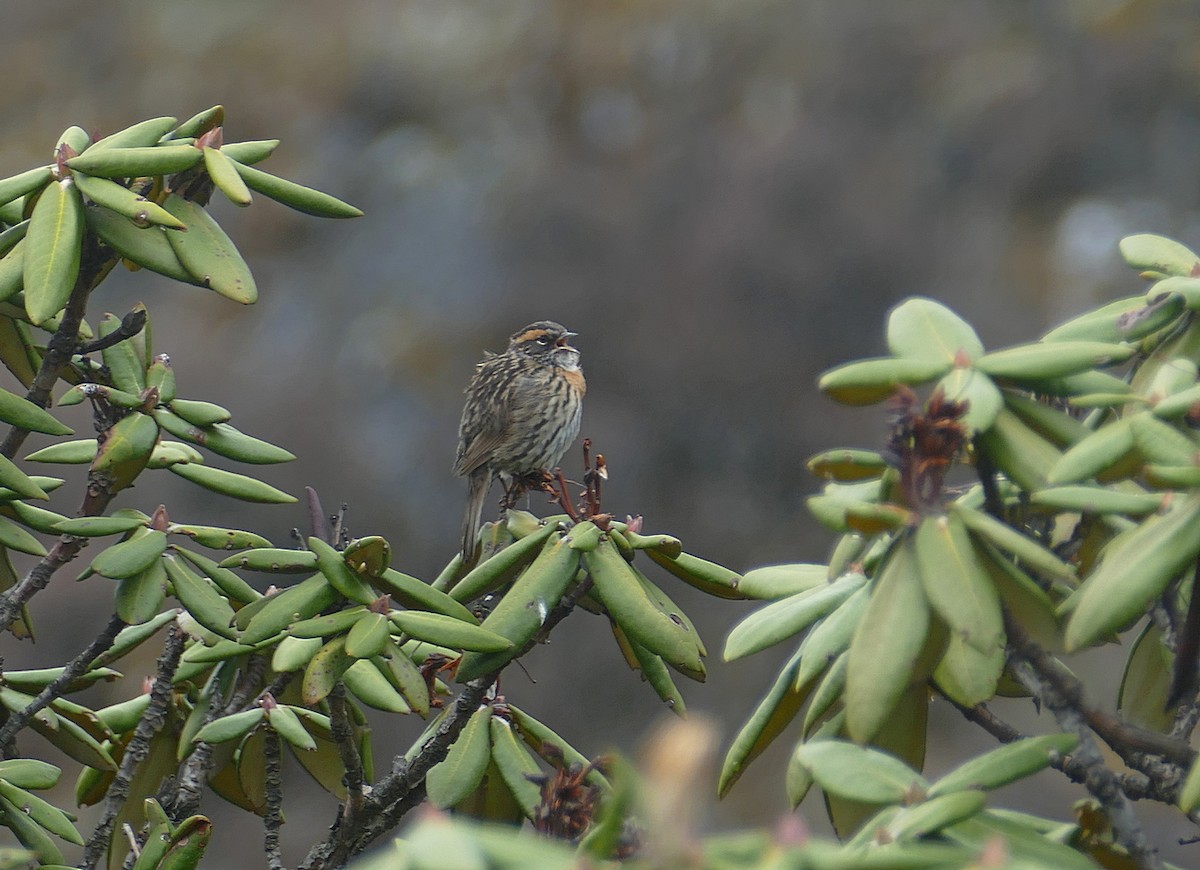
x=130, y=557
x=125, y=202
x=136, y=162
x=146, y=246
x=286, y=723
x=1127, y=319
x=1051, y=359
x=16, y=538
x=325, y=669
x=52, y=250
x=1185, y=288
x=922, y=329
x=228, y=483
x=784, y=619
x=232, y=727
x=201, y=598
x=517, y=768
x=303, y=199
x=448, y=631
x=780, y=706
x=1134, y=569
x=16, y=186
x=859, y=773
x=139, y=597
x=1008, y=763
x=207, y=253
x=139, y=135
x=450, y=781
x=1096, y=500
x=223, y=171
x=868, y=381
x=522, y=611
x=371, y=686
x=1146, y=682
x=772, y=582
x=1150, y=253
x=23, y=413
x=955, y=584
x=29, y=773
x=983, y=398
x=887, y=644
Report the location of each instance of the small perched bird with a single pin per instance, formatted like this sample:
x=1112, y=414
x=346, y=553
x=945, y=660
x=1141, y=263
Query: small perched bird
x=522, y=413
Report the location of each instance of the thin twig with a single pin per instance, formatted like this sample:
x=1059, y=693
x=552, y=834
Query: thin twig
x=74, y=669
x=189, y=787
x=1030, y=667
x=1135, y=784
x=342, y=732
x=150, y=724
x=131, y=324
x=273, y=818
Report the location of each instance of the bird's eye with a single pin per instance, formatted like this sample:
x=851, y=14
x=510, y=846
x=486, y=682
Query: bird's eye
x=544, y=340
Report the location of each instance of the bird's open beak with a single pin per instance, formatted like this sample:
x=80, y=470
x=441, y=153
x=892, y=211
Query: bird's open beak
x=562, y=341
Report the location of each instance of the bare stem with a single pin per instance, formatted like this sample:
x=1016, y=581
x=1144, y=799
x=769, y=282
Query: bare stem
x=273, y=818
x=74, y=669
x=151, y=723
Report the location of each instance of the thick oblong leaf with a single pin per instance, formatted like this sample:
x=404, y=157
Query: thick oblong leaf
x=136, y=162
x=859, y=773
x=125, y=202
x=523, y=609
x=955, y=583
x=52, y=250
x=1147, y=252
x=303, y=199
x=224, y=440
x=784, y=619
x=228, y=483
x=201, y=598
x=1051, y=359
x=325, y=669
x=146, y=246
x=1127, y=319
x=887, y=643
x=1146, y=682
x=920, y=328
x=131, y=557
x=223, y=171
x=23, y=413
x=415, y=594
x=517, y=768
x=454, y=778
x=1135, y=568
x=232, y=727
x=868, y=381
x=780, y=706
x=1024, y=455
x=1005, y=764
x=286, y=723
x=448, y=631
x=207, y=253
x=16, y=186
x=618, y=588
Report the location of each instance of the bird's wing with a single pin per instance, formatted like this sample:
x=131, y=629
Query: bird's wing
x=487, y=415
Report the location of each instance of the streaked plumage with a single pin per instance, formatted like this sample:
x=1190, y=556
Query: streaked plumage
x=522, y=413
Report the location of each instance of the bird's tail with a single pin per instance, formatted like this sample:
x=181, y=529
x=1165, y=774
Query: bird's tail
x=477, y=487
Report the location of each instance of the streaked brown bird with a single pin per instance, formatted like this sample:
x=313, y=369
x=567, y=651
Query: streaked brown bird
x=522, y=413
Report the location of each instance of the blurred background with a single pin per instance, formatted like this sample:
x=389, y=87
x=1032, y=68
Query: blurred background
x=722, y=199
